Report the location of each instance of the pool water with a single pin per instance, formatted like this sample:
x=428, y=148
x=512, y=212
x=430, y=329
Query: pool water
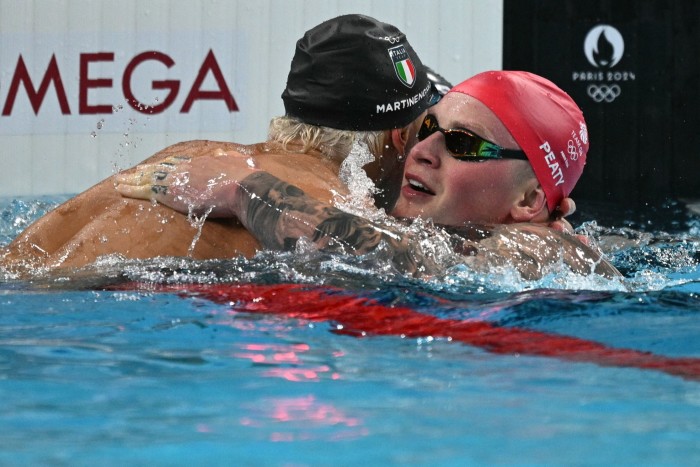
x=314, y=359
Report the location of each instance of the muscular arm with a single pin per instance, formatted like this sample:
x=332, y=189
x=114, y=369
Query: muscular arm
x=278, y=214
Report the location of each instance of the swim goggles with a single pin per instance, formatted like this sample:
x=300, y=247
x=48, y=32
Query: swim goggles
x=439, y=86
x=465, y=145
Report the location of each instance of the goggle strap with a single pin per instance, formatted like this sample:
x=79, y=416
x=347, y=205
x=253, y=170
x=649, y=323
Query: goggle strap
x=513, y=154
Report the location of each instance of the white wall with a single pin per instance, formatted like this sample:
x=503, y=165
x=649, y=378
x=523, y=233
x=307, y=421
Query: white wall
x=62, y=148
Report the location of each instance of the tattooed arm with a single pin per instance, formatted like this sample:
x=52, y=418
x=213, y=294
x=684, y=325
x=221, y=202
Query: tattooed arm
x=278, y=214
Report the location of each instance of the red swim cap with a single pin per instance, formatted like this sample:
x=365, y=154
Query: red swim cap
x=544, y=121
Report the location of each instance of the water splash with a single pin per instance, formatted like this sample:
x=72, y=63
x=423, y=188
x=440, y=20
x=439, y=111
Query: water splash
x=651, y=261
x=198, y=223
x=634, y=251
x=359, y=201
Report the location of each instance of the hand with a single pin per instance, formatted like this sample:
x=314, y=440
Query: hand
x=208, y=183
x=566, y=208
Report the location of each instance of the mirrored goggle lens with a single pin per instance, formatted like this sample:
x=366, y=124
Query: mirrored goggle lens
x=458, y=142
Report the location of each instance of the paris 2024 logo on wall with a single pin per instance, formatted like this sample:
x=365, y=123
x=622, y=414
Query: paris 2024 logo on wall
x=604, y=48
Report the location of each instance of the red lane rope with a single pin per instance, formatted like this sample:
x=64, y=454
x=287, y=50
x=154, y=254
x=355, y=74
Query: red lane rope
x=360, y=316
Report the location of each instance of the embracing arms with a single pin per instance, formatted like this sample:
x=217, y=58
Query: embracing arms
x=278, y=214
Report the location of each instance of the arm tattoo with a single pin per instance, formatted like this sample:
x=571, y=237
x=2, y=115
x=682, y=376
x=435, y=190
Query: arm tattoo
x=278, y=214
x=159, y=189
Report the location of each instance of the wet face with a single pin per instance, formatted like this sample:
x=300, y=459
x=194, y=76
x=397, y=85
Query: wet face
x=450, y=191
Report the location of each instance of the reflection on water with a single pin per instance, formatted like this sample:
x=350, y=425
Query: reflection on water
x=300, y=418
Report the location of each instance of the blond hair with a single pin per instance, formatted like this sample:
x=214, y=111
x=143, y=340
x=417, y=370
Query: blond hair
x=332, y=143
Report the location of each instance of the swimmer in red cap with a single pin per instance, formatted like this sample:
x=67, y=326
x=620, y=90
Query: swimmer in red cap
x=500, y=147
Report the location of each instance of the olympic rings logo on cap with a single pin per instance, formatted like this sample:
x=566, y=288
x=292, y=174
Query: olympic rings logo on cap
x=392, y=39
x=604, y=92
x=572, y=150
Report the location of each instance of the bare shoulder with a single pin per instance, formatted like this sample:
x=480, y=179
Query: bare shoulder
x=316, y=176
x=197, y=148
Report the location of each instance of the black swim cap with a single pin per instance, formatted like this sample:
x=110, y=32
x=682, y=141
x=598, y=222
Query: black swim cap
x=356, y=73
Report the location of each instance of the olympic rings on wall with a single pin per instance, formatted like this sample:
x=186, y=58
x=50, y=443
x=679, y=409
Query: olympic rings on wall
x=603, y=92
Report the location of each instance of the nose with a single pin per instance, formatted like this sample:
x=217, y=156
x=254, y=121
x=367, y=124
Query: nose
x=427, y=152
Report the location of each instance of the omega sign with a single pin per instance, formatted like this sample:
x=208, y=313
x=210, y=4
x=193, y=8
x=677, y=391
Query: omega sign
x=52, y=79
x=62, y=85
x=603, y=48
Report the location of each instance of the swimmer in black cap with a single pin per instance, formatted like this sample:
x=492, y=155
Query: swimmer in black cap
x=352, y=79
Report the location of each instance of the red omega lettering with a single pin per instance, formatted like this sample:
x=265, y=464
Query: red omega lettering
x=86, y=83
x=36, y=97
x=171, y=85
x=52, y=76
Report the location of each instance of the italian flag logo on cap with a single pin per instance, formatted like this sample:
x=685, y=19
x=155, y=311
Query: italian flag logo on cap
x=403, y=65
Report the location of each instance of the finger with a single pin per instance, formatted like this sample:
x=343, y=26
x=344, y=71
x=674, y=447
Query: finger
x=138, y=170
x=584, y=239
x=133, y=179
x=572, y=207
x=566, y=226
x=562, y=225
x=159, y=190
x=567, y=207
x=175, y=160
x=159, y=175
x=167, y=165
x=132, y=191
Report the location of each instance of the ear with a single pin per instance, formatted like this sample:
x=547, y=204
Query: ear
x=531, y=206
x=399, y=138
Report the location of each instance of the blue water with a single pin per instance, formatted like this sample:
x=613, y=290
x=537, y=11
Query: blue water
x=97, y=376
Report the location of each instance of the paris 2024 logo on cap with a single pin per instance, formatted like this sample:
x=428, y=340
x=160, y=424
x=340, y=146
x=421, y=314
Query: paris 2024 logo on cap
x=403, y=65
